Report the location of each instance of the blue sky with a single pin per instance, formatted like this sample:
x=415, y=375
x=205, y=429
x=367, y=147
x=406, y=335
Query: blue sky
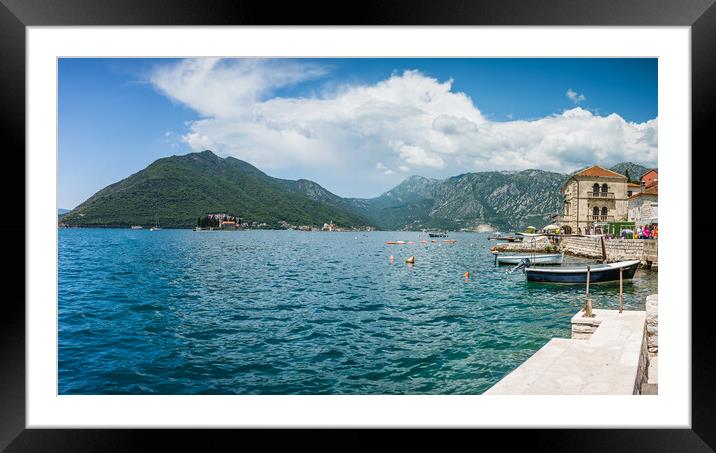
x=356, y=126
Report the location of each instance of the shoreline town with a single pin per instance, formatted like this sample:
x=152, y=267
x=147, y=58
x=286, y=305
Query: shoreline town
x=610, y=351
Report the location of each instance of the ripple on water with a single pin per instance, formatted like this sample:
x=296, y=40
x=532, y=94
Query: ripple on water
x=285, y=312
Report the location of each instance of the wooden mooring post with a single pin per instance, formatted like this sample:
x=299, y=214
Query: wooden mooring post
x=588, y=302
x=604, y=250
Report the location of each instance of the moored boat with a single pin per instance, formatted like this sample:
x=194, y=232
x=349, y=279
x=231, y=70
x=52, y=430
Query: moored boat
x=548, y=258
x=437, y=233
x=578, y=274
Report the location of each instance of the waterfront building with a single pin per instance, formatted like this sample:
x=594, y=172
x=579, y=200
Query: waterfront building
x=650, y=178
x=633, y=189
x=592, y=196
x=643, y=206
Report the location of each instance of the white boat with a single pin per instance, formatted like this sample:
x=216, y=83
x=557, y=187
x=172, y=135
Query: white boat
x=530, y=235
x=156, y=225
x=552, y=258
x=136, y=227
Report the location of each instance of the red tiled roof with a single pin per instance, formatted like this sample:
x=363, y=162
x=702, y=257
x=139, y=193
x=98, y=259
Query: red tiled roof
x=596, y=170
x=651, y=190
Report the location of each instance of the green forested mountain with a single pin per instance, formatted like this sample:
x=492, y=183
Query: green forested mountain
x=177, y=190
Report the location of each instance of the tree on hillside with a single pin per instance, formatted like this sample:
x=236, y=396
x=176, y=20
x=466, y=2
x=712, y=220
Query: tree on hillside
x=626, y=173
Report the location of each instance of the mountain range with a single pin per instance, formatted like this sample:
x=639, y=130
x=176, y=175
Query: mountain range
x=175, y=191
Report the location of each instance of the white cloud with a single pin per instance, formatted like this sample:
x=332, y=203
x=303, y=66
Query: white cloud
x=382, y=168
x=575, y=97
x=416, y=155
x=407, y=121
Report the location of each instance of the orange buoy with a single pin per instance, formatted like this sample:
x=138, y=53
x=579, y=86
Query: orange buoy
x=467, y=275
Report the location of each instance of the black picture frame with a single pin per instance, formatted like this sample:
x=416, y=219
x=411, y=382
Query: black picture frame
x=16, y=15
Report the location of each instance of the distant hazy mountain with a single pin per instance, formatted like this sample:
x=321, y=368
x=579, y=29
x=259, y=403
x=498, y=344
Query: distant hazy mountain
x=635, y=171
x=174, y=191
x=503, y=200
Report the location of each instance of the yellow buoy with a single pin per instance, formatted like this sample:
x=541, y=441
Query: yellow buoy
x=410, y=260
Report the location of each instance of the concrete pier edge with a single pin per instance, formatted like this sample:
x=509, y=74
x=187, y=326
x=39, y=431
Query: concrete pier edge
x=611, y=353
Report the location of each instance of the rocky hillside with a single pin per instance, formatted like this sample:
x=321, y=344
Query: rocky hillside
x=502, y=200
x=178, y=189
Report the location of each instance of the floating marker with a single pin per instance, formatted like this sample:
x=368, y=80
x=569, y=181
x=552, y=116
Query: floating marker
x=410, y=260
x=467, y=275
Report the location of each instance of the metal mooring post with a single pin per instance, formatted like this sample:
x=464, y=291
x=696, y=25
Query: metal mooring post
x=621, y=282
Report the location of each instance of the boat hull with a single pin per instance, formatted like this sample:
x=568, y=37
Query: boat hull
x=534, y=259
x=579, y=275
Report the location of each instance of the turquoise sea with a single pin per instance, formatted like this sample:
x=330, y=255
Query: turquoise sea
x=289, y=312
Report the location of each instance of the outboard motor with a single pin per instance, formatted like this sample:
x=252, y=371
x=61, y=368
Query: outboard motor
x=525, y=262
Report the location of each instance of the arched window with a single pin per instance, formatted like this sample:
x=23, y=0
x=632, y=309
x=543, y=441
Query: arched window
x=595, y=189
x=605, y=188
x=605, y=211
x=595, y=211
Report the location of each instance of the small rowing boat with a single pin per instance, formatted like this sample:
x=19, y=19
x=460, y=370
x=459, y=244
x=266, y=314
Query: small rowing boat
x=551, y=258
x=578, y=274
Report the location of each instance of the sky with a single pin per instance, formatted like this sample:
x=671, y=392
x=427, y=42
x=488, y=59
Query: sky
x=358, y=127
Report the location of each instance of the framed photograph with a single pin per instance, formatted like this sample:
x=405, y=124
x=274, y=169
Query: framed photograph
x=437, y=217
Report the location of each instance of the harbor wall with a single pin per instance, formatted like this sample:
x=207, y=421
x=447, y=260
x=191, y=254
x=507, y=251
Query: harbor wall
x=645, y=251
x=651, y=254
x=526, y=247
x=649, y=384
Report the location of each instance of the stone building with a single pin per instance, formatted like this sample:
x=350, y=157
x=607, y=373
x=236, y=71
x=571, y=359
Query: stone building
x=633, y=189
x=643, y=206
x=593, y=195
x=650, y=178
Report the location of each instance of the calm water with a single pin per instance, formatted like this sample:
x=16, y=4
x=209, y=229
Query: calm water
x=284, y=312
